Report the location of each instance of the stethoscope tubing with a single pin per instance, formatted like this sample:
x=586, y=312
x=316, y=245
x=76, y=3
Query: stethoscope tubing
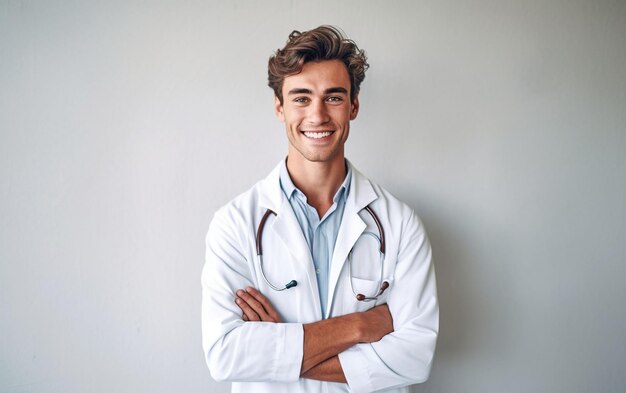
x=383, y=285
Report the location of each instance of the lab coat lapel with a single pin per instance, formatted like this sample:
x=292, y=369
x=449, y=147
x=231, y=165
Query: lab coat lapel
x=352, y=226
x=285, y=226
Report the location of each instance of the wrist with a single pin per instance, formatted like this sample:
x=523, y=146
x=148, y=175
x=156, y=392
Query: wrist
x=358, y=326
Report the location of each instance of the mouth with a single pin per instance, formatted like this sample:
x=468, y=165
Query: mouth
x=317, y=134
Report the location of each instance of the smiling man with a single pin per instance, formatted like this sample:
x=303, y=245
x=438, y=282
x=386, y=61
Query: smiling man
x=317, y=279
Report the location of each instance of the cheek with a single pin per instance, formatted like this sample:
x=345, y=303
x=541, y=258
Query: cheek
x=292, y=118
x=343, y=113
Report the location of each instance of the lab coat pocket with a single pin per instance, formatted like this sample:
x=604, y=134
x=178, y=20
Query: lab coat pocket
x=371, y=290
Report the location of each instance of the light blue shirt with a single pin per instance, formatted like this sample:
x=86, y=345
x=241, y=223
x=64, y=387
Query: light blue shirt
x=320, y=234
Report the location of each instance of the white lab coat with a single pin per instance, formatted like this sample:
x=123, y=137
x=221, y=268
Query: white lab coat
x=266, y=357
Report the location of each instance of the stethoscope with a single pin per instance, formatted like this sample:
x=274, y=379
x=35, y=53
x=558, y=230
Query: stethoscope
x=380, y=238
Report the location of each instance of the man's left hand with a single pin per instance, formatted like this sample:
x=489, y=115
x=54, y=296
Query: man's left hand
x=256, y=307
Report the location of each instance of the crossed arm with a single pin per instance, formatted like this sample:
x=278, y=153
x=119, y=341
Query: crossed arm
x=399, y=358
x=325, y=339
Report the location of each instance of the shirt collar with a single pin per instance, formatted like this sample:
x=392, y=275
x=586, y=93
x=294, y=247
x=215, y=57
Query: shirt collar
x=290, y=189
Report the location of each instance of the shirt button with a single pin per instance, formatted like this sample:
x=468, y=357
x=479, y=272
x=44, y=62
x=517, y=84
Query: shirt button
x=317, y=271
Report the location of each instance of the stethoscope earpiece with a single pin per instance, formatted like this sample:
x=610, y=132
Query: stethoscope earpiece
x=360, y=297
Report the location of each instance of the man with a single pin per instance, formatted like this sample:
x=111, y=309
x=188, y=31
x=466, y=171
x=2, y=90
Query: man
x=359, y=308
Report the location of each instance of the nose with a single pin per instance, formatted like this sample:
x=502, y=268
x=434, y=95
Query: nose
x=318, y=113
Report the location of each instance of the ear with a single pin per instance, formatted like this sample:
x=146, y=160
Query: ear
x=278, y=109
x=354, y=107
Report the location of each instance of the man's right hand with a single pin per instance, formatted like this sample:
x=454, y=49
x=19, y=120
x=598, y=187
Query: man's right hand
x=375, y=324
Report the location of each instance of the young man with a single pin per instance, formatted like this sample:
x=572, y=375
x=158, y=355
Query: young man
x=316, y=279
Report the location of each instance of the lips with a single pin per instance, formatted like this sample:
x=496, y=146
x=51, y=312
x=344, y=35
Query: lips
x=317, y=134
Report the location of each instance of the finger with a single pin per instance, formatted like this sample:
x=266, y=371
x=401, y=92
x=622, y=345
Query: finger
x=267, y=305
x=247, y=310
x=253, y=304
x=246, y=313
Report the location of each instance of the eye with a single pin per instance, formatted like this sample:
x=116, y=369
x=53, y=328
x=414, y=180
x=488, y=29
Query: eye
x=334, y=99
x=301, y=100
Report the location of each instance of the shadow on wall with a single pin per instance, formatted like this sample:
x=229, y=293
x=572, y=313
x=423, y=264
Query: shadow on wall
x=466, y=270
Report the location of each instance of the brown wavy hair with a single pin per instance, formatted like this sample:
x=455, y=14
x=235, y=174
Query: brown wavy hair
x=322, y=43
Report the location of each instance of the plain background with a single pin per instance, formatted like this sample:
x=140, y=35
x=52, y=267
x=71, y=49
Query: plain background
x=125, y=125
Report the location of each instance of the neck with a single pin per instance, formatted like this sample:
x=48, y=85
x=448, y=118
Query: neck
x=319, y=181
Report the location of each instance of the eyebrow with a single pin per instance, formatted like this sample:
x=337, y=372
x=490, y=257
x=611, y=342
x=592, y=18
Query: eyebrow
x=330, y=90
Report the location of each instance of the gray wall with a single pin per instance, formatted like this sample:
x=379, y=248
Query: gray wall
x=124, y=125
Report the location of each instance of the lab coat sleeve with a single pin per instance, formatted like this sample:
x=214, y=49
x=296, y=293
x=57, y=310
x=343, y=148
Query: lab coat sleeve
x=236, y=350
x=403, y=357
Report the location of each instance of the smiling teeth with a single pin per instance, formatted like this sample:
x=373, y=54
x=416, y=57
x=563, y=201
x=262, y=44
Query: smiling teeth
x=317, y=135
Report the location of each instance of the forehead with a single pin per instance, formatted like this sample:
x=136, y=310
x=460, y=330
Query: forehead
x=319, y=76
